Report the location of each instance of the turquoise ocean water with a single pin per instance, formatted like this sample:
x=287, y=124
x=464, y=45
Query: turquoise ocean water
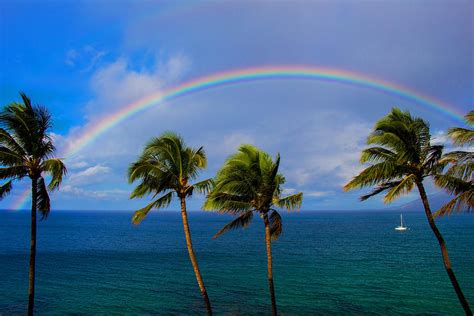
x=324, y=263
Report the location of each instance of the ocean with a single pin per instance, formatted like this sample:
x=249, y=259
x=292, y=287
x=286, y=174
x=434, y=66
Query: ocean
x=324, y=263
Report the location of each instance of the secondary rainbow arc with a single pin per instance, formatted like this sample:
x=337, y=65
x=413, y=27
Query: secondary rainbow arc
x=238, y=76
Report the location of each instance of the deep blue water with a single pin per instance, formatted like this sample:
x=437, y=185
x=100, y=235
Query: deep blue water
x=324, y=263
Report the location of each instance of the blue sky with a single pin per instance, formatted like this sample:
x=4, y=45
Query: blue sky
x=87, y=59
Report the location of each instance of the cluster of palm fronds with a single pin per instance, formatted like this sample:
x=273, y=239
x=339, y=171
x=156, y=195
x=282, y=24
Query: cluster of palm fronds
x=26, y=150
x=458, y=179
x=404, y=156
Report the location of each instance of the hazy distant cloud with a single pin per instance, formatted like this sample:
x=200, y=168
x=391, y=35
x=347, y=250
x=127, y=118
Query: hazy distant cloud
x=71, y=56
x=308, y=193
x=77, y=164
x=331, y=150
x=115, y=84
x=226, y=144
x=118, y=83
x=90, y=175
x=440, y=137
x=112, y=194
x=85, y=58
x=318, y=194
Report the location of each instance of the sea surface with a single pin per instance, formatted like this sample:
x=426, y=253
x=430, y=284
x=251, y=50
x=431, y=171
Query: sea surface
x=325, y=263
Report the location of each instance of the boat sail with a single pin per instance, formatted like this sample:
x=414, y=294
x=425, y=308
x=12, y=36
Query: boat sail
x=401, y=227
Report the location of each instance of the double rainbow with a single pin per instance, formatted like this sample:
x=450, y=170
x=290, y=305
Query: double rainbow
x=239, y=76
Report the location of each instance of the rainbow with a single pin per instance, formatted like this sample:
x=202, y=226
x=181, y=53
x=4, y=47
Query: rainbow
x=240, y=76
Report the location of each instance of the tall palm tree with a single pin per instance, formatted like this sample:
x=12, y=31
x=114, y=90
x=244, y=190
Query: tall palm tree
x=165, y=168
x=26, y=150
x=458, y=179
x=249, y=182
x=401, y=158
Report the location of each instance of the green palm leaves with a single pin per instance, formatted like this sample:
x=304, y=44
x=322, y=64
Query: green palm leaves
x=401, y=156
x=458, y=179
x=26, y=149
x=5, y=189
x=164, y=170
x=249, y=182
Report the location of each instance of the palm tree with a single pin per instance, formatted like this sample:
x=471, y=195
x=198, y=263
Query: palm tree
x=165, y=167
x=458, y=179
x=249, y=182
x=401, y=158
x=26, y=150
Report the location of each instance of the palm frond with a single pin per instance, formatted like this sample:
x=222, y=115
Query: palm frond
x=375, y=174
x=458, y=157
x=403, y=187
x=204, y=186
x=15, y=172
x=56, y=168
x=240, y=222
x=5, y=189
x=9, y=158
x=163, y=201
x=43, y=202
x=377, y=154
x=432, y=162
x=461, y=136
x=276, y=225
x=10, y=142
x=274, y=168
x=292, y=202
x=453, y=184
x=461, y=202
x=226, y=203
x=379, y=189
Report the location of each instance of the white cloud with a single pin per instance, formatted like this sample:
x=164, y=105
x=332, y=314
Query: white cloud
x=318, y=193
x=114, y=85
x=441, y=138
x=289, y=191
x=90, y=175
x=227, y=144
x=330, y=149
x=117, y=84
x=308, y=193
x=113, y=194
x=77, y=164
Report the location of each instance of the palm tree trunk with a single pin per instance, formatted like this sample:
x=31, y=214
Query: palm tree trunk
x=268, y=241
x=444, y=249
x=31, y=285
x=192, y=256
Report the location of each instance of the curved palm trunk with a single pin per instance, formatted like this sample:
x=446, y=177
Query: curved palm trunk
x=444, y=249
x=268, y=241
x=192, y=256
x=31, y=284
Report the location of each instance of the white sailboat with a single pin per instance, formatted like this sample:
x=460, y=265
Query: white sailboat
x=401, y=227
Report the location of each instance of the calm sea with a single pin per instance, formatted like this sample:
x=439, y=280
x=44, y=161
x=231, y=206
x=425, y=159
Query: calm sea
x=324, y=263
